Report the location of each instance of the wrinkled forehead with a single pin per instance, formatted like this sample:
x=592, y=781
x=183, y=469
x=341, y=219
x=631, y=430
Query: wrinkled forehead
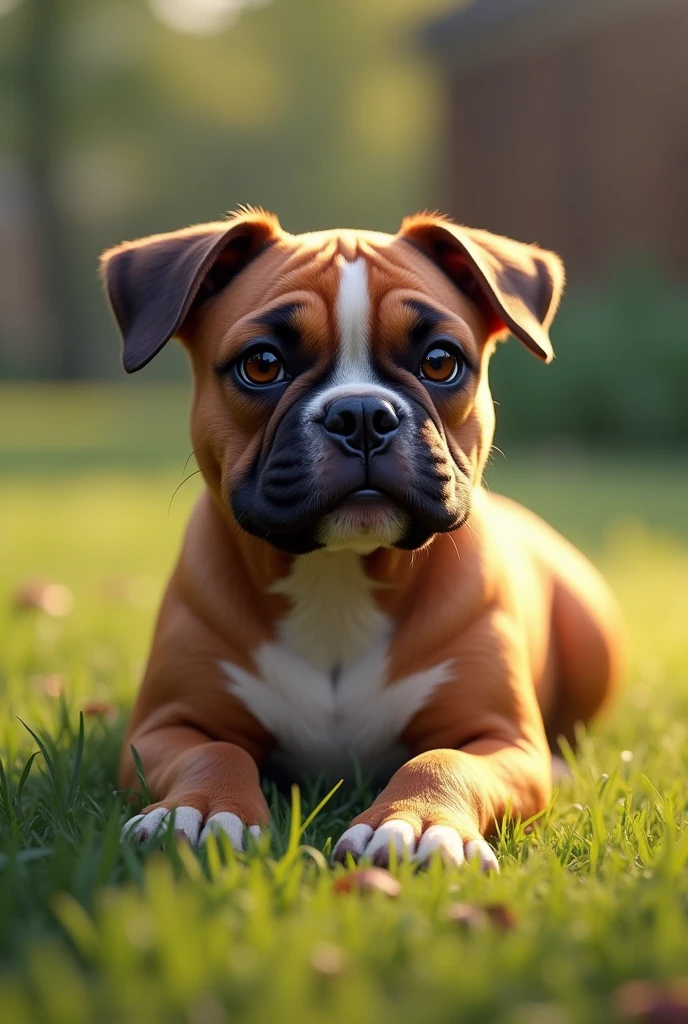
x=342, y=290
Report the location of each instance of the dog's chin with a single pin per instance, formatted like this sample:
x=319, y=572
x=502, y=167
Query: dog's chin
x=363, y=522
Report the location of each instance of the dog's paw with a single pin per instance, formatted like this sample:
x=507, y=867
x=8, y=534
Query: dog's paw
x=188, y=825
x=365, y=841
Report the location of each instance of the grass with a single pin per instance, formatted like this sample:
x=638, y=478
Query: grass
x=94, y=930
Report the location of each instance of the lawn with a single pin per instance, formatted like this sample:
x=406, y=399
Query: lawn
x=92, y=930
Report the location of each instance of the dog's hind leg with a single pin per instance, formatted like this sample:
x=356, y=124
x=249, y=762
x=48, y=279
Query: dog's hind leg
x=589, y=646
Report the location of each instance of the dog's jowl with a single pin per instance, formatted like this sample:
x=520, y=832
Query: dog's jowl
x=348, y=595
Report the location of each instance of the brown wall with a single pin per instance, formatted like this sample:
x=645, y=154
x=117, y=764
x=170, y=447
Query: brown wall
x=580, y=145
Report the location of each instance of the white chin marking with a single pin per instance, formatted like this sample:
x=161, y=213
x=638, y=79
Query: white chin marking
x=443, y=840
x=362, y=530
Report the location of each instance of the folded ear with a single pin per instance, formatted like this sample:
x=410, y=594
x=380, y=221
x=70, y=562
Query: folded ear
x=155, y=283
x=517, y=286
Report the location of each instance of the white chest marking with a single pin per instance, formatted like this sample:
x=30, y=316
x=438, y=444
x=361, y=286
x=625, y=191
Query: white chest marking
x=321, y=689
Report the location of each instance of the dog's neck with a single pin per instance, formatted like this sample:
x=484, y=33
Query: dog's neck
x=264, y=565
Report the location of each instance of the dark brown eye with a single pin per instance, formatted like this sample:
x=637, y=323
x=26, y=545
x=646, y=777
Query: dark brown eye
x=262, y=367
x=441, y=366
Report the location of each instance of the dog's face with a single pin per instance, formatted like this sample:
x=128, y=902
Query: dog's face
x=341, y=395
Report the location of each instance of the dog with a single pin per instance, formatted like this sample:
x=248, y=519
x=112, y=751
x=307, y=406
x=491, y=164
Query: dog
x=348, y=596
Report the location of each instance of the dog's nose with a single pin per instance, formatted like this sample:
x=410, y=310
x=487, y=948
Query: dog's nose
x=361, y=425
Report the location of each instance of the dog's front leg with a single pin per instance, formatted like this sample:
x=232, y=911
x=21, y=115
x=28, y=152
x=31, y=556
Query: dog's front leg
x=449, y=800
x=210, y=786
x=481, y=754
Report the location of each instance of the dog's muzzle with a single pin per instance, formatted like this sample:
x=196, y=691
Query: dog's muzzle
x=361, y=470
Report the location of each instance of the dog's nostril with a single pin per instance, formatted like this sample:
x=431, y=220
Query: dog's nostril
x=385, y=420
x=342, y=423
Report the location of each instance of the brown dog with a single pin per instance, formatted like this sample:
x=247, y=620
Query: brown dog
x=347, y=591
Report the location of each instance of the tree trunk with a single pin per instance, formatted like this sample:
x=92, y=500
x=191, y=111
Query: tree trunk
x=43, y=141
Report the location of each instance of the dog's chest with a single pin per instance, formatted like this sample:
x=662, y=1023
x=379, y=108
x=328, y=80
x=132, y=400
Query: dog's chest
x=321, y=687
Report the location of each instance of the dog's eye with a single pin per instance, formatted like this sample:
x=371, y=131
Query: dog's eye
x=441, y=365
x=262, y=366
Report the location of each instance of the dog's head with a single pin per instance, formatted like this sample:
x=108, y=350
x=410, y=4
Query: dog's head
x=341, y=395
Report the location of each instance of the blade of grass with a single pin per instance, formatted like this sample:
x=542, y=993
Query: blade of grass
x=23, y=778
x=294, y=824
x=314, y=813
x=141, y=775
x=52, y=767
x=76, y=770
x=5, y=793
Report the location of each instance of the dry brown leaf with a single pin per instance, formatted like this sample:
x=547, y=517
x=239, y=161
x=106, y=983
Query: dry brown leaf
x=53, y=599
x=49, y=685
x=367, y=880
x=653, y=1002
x=100, y=709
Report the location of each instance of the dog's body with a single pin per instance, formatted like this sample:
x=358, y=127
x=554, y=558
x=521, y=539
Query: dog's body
x=347, y=591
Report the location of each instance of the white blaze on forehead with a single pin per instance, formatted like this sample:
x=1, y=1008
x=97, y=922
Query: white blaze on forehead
x=354, y=373
x=353, y=321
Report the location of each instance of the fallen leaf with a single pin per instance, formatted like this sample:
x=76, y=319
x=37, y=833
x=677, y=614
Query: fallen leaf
x=50, y=598
x=653, y=1002
x=501, y=916
x=100, y=709
x=368, y=880
x=49, y=685
x=469, y=916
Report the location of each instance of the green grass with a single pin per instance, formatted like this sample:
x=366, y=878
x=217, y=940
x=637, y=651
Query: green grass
x=94, y=930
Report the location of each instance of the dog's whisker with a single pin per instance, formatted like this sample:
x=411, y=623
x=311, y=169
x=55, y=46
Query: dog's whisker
x=458, y=555
x=179, y=486
x=199, y=449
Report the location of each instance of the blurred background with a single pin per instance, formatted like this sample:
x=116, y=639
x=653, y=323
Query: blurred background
x=558, y=121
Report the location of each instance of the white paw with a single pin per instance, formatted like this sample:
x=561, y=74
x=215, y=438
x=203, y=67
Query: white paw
x=187, y=825
x=363, y=841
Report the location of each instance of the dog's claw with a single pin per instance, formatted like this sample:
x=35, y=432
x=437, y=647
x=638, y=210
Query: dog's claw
x=342, y=848
x=364, y=841
x=188, y=826
x=442, y=839
x=478, y=849
x=353, y=841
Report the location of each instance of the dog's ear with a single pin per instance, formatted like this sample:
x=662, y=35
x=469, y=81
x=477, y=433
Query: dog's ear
x=516, y=286
x=155, y=283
